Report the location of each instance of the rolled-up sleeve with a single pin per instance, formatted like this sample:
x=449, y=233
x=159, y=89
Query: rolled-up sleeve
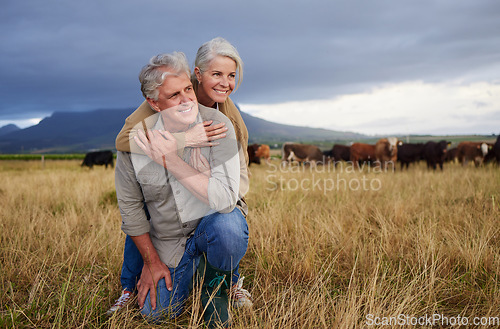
x=130, y=197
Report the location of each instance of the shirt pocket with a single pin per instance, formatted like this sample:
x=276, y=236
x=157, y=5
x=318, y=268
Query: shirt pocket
x=153, y=186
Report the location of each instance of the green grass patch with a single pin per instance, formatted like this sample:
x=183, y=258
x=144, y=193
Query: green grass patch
x=69, y=156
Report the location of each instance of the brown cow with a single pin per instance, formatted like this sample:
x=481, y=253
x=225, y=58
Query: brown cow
x=386, y=152
x=264, y=152
x=252, y=157
x=451, y=155
x=362, y=152
x=339, y=153
x=301, y=153
x=472, y=151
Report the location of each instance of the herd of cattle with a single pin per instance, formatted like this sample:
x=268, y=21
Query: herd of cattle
x=385, y=152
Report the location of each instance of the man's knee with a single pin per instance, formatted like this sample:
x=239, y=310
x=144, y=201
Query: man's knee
x=169, y=304
x=233, y=222
x=231, y=232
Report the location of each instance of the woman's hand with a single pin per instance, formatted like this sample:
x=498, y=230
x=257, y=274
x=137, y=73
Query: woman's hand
x=160, y=146
x=199, y=162
x=203, y=134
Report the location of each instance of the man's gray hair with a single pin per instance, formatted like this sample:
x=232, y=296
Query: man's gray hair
x=153, y=74
x=218, y=47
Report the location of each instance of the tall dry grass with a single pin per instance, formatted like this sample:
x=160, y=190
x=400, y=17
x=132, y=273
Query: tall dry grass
x=418, y=243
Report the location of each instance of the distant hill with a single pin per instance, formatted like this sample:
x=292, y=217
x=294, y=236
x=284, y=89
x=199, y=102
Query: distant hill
x=261, y=131
x=70, y=132
x=67, y=132
x=8, y=129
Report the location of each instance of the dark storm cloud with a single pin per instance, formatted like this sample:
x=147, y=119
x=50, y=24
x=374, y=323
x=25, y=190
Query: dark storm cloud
x=59, y=56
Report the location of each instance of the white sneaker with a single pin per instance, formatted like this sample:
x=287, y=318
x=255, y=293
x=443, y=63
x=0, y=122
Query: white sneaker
x=120, y=303
x=240, y=297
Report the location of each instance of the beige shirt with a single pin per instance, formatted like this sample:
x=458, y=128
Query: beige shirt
x=174, y=211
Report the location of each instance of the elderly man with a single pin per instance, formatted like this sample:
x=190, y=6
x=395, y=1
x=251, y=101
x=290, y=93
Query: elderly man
x=190, y=193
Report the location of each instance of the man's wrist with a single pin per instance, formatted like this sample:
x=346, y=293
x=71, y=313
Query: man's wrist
x=173, y=161
x=151, y=257
x=153, y=261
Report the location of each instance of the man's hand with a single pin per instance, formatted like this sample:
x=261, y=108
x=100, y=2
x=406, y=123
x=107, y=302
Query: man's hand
x=151, y=274
x=160, y=146
x=203, y=134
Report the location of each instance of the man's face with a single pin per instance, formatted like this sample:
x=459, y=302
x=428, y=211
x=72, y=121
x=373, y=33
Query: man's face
x=176, y=102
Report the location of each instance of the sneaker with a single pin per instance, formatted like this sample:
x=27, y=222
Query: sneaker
x=120, y=303
x=240, y=297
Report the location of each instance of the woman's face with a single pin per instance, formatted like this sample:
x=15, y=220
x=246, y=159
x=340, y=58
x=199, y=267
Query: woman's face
x=217, y=81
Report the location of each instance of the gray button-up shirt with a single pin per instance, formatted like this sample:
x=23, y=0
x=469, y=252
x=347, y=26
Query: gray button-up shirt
x=174, y=211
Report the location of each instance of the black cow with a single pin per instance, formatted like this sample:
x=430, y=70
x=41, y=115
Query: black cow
x=98, y=158
x=434, y=153
x=327, y=154
x=409, y=153
x=494, y=152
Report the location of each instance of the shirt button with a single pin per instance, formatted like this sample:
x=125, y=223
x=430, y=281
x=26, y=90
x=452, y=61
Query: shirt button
x=180, y=210
x=177, y=192
x=184, y=225
x=183, y=244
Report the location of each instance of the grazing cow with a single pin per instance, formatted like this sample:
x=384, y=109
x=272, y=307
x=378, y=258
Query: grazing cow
x=451, y=155
x=339, y=153
x=434, y=153
x=472, y=151
x=386, y=151
x=495, y=151
x=490, y=156
x=361, y=152
x=301, y=153
x=409, y=153
x=264, y=152
x=252, y=154
x=98, y=158
x=328, y=154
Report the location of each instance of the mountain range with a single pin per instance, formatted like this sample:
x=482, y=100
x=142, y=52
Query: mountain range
x=7, y=129
x=80, y=132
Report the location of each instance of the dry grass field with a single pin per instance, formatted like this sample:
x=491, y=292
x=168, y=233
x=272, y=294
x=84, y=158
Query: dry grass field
x=328, y=249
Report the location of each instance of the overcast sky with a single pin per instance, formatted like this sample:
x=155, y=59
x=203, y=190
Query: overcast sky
x=374, y=66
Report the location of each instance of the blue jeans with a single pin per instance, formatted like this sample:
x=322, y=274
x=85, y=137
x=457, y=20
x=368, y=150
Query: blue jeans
x=222, y=237
x=133, y=263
